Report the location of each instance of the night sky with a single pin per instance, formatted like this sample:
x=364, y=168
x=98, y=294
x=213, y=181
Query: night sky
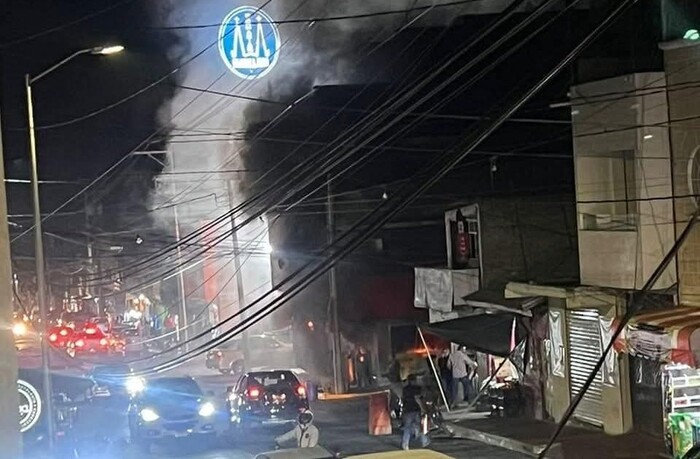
x=82, y=149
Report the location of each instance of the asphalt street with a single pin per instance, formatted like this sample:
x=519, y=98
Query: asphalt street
x=343, y=426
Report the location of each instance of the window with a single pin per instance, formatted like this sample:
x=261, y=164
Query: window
x=606, y=191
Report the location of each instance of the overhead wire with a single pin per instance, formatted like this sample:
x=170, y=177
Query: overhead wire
x=363, y=235
x=273, y=122
x=139, y=146
x=430, y=176
x=65, y=25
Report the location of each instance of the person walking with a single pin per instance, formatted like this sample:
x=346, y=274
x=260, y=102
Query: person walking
x=462, y=368
x=412, y=412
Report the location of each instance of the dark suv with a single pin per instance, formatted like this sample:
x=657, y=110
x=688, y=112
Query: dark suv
x=266, y=398
x=170, y=408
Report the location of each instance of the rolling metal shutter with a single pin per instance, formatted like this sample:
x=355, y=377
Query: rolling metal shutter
x=584, y=352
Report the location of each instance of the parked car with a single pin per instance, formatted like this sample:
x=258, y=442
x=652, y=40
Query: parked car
x=133, y=341
x=227, y=358
x=110, y=380
x=266, y=398
x=89, y=341
x=60, y=336
x=170, y=407
x=264, y=351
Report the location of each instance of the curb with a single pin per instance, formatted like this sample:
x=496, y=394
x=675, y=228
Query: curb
x=510, y=444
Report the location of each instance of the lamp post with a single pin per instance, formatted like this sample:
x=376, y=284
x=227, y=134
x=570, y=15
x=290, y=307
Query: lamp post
x=38, y=235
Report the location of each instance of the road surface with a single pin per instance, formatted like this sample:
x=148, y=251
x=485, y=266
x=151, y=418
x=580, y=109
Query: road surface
x=103, y=429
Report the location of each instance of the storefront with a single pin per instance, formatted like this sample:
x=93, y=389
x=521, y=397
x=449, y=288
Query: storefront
x=664, y=346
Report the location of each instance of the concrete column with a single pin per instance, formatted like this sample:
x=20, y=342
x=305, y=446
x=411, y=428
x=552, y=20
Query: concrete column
x=617, y=400
x=557, y=394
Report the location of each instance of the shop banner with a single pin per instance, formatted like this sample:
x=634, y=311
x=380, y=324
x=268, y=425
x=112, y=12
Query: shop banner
x=610, y=366
x=556, y=344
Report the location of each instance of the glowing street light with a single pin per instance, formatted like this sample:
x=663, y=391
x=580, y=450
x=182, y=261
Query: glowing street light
x=107, y=50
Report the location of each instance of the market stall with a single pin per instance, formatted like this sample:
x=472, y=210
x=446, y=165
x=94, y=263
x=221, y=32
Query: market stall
x=671, y=336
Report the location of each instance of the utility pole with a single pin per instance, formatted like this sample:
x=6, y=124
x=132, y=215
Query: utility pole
x=183, y=320
x=338, y=381
x=239, y=275
x=40, y=272
x=10, y=437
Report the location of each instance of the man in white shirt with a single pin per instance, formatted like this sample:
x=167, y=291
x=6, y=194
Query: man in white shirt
x=463, y=367
x=304, y=433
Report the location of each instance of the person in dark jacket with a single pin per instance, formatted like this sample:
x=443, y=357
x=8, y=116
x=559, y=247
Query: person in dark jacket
x=445, y=374
x=412, y=413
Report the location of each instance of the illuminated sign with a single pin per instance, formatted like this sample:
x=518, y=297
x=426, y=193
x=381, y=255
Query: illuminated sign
x=249, y=42
x=29, y=405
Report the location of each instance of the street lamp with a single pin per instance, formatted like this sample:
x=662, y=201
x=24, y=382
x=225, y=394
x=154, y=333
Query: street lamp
x=38, y=239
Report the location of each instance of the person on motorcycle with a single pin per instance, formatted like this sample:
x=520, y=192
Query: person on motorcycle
x=412, y=414
x=304, y=433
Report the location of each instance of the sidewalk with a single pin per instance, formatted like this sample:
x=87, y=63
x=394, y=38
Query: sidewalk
x=528, y=436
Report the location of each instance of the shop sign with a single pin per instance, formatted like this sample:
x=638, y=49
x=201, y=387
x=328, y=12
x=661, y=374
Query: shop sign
x=29, y=405
x=249, y=42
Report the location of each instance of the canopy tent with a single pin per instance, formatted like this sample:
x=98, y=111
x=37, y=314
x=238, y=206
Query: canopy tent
x=494, y=334
x=668, y=335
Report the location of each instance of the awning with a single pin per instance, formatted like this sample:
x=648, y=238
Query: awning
x=496, y=301
x=489, y=333
x=667, y=335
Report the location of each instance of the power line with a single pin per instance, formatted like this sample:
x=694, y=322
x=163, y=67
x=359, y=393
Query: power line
x=271, y=123
x=65, y=25
x=138, y=147
x=380, y=219
x=425, y=180
x=315, y=20
x=137, y=93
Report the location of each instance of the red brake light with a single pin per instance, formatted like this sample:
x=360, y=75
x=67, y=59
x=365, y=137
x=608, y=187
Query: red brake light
x=80, y=343
x=90, y=331
x=301, y=391
x=53, y=337
x=103, y=342
x=63, y=332
x=253, y=392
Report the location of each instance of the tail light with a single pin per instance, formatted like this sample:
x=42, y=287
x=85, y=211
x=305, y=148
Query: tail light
x=253, y=393
x=301, y=391
x=63, y=332
x=80, y=343
x=53, y=337
x=103, y=342
x=90, y=331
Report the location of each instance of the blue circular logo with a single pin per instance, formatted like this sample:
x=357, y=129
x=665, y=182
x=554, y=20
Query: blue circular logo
x=249, y=42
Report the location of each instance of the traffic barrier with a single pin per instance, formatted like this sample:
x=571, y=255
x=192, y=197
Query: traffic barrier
x=379, y=417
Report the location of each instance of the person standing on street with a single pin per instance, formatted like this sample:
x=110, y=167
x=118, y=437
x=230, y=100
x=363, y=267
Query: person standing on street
x=462, y=368
x=412, y=413
x=445, y=373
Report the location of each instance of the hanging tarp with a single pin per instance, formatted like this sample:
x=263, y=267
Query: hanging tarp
x=489, y=333
x=667, y=335
x=555, y=344
x=441, y=289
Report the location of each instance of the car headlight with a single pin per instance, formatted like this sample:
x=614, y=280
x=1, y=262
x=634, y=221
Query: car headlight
x=19, y=329
x=148, y=415
x=207, y=409
x=134, y=385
